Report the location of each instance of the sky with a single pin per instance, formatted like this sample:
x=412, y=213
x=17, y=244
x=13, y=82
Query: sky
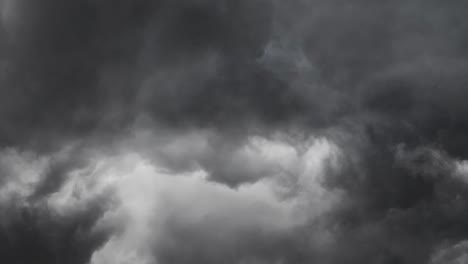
x=234, y=132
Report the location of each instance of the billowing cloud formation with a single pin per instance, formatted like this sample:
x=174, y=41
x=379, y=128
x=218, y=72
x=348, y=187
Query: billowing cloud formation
x=261, y=131
x=153, y=214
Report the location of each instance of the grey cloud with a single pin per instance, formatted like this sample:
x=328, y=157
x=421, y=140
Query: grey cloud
x=31, y=229
x=455, y=253
x=173, y=109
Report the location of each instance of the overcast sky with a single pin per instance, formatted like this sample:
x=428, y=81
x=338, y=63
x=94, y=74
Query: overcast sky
x=233, y=132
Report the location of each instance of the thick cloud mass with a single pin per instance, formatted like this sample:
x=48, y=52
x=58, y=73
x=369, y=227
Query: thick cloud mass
x=238, y=132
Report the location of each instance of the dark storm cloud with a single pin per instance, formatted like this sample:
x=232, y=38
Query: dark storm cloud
x=77, y=67
x=403, y=202
x=380, y=85
x=35, y=235
x=33, y=229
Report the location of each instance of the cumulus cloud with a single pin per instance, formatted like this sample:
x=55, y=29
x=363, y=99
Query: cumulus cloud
x=151, y=209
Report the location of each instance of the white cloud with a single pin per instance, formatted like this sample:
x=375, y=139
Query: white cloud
x=147, y=201
x=152, y=200
x=21, y=172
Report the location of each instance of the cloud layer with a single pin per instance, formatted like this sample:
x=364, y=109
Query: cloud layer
x=243, y=132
